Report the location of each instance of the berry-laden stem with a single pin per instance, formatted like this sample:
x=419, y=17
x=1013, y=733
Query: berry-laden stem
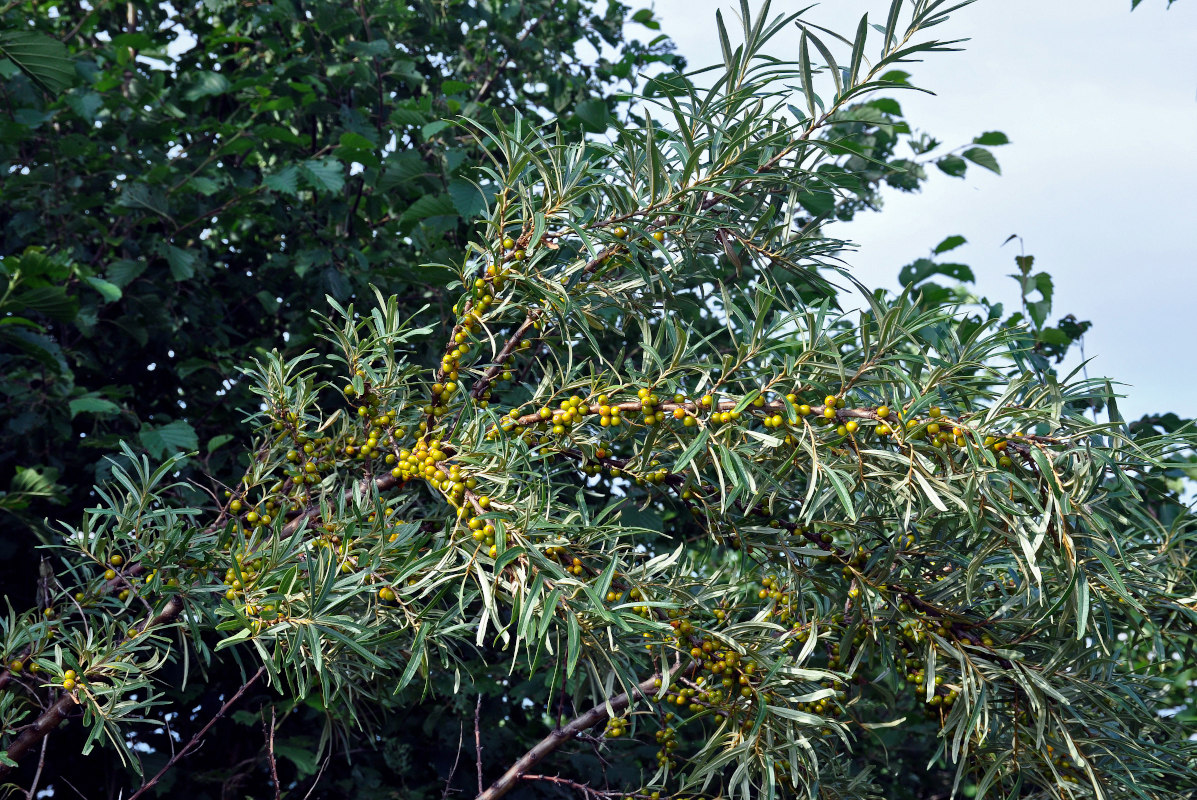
x=50, y=719
x=492, y=372
x=560, y=736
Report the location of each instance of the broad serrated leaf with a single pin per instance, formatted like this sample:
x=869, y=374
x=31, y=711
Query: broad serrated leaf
x=991, y=139
x=141, y=196
x=286, y=180
x=468, y=200
x=43, y=59
x=92, y=404
x=950, y=243
x=109, y=291
x=982, y=157
x=163, y=440
x=325, y=175
x=952, y=165
x=182, y=262
x=207, y=84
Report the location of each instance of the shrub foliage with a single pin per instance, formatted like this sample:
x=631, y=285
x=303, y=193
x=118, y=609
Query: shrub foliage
x=660, y=499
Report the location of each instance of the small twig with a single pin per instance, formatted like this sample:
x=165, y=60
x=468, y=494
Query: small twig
x=74, y=788
x=482, y=90
x=37, y=776
x=478, y=742
x=492, y=372
x=195, y=740
x=270, y=754
x=456, y=761
x=170, y=737
x=75, y=30
x=323, y=766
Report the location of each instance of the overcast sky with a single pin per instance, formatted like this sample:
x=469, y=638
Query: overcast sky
x=1101, y=109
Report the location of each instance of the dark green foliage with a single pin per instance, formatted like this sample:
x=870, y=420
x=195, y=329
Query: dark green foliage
x=215, y=168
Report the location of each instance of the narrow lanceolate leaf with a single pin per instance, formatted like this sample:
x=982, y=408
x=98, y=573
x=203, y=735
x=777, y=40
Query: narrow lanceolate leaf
x=808, y=83
x=928, y=490
x=697, y=444
x=858, y=46
x=724, y=41
x=891, y=24
x=829, y=59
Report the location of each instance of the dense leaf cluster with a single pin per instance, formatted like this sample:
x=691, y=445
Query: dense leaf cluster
x=207, y=169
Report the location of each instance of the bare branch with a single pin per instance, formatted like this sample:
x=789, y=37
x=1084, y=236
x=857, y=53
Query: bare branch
x=478, y=741
x=270, y=755
x=560, y=736
x=195, y=740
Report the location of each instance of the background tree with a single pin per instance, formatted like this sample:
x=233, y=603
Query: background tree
x=176, y=207
x=733, y=229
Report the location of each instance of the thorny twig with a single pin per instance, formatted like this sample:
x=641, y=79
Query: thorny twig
x=195, y=740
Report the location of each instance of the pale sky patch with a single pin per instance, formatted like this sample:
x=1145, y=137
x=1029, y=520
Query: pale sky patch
x=1100, y=105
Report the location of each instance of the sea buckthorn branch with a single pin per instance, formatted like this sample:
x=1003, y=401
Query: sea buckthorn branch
x=774, y=414
x=118, y=578
x=200, y=734
x=52, y=716
x=789, y=140
x=712, y=198
x=562, y=735
x=622, y=463
x=878, y=413
x=716, y=195
x=484, y=381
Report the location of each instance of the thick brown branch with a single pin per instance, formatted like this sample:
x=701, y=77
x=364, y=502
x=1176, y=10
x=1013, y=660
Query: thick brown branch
x=492, y=372
x=41, y=727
